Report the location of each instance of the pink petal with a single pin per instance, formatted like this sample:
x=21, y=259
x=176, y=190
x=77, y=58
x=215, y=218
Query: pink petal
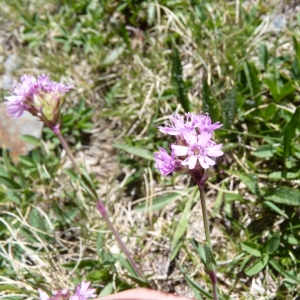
x=214, y=150
x=190, y=161
x=43, y=295
x=204, y=138
x=206, y=162
x=180, y=150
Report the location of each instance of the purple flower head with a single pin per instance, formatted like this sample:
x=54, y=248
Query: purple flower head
x=83, y=292
x=198, y=148
x=193, y=148
x=40, y=96
x=164, y=162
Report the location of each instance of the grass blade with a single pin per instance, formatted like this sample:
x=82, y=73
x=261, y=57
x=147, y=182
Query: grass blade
x=178, y=83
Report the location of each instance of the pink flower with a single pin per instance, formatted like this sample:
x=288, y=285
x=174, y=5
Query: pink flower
x=164, y=162
x=83, y=292
x=199, y=148
x=178, y=124
x=40, y=96
x=193, y=147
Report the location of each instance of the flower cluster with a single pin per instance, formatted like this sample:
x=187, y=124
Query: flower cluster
x=194, y=147
x=40, y=96
x=83, y=292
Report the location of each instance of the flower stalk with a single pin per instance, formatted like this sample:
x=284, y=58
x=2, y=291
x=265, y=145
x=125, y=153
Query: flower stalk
x=44, y=98
x=194, y=151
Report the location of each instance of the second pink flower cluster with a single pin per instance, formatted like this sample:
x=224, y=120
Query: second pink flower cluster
x=194, y=146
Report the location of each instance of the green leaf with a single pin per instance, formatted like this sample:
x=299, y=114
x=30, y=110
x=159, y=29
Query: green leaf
x=181, y=228
x=263, y=55
x=195, y=287
x=229, y=108
x=264, y=151
x=9, y=183
x=268, y=112
x=290, y=131
x=296, y=47
x=251, y=248
x=210, y=260
x=273, y=243
x=177, y=81
x=284, y=195
x=252, y=80
x=286, y=90
x=30, y=139
x=257, y=266
x=108, y=289
x=100, y=275
x=282, y=271
x=144, y=153
x=113, y=56
x=199, y=249
x=158, y=203
x=250, y=180
x=274, y=207
x=132, y=275
x=278, y=175
x=209, y=103
x=272, y=85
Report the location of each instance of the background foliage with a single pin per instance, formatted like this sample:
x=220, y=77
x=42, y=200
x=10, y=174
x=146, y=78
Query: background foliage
x=134, y=63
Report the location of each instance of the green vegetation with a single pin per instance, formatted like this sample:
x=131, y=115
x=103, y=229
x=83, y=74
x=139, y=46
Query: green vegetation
x=134, y=63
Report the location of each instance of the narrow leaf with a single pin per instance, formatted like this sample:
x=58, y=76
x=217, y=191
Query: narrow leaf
x=30, y=139
x=250, y=180
x=181, y=227
x=158, y=203
x=252, y=80
x=177, y=81
x=282, y=271
x=251, y=248
x=286, y=90
x=274, y=207
x=229, y=108
x=209, y=103
x=199, y=249
x=263, y=55
x=264, y=151
x=257, y=266
x=284, y=195
x=290, y=131
x=194, y=286
x=273, y=243
x=144, y=153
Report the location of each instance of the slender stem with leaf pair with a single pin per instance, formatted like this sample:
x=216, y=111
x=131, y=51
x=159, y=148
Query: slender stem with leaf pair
x=100, y=205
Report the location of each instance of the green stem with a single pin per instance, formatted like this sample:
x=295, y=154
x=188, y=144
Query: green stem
x=104, y=214
x=66, y=147
x=204, y=213
x=212, y=273
x=100, y=205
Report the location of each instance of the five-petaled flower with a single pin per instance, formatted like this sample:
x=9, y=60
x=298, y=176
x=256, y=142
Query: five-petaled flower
x=40, y=96
x=194, y=147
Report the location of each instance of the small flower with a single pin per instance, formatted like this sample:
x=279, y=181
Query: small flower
x=83, y=292
x=199, y=148
x=193, y=148
x=40, y=96
x=164, y=162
